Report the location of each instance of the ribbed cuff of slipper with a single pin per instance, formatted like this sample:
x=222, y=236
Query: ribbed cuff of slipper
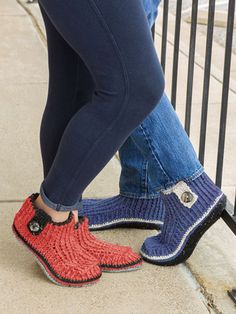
x=198, y=194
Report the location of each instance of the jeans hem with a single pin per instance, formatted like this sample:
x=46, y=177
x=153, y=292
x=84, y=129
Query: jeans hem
x=59, y=207
x=157, y=190
x=196, y=174
x=140, y=196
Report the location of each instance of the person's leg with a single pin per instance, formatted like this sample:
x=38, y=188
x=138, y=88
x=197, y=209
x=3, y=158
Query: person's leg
x=121, y=97
x=146, y=168
x=192, y=201
x=55, y=244
x=65, y=63
x=162, y=161
x=91, y=243
x=93, y=134
x=151, y=10
x=111, y=257
x=170, y=161
x=69, y=83
x=136, y=206
x=126, y=209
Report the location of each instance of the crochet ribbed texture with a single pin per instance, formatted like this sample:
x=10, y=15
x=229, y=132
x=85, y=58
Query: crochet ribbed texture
x=56, y=247
x=191, y=208
x=121, y=211
x=111, y=257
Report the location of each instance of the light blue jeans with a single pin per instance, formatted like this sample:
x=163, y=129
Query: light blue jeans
x=158, y=153
x=151, y=9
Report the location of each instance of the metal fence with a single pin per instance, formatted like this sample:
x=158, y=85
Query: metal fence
x=229, y=215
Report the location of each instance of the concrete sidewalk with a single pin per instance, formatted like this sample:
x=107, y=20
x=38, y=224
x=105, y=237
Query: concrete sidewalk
x=23, y=287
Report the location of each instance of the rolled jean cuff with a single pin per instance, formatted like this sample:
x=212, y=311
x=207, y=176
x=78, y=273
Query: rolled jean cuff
x=190, y=178
x=140, y=196
x=59, y=207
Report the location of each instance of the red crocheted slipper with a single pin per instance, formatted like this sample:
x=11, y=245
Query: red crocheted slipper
x=113, y=258
x=55, y=246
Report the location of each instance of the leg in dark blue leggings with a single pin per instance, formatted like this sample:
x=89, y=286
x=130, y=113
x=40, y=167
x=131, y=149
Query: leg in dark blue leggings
x=70, y=87
x=115, y=50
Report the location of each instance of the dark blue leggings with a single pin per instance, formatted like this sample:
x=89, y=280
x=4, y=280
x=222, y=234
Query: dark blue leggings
x=104, y=79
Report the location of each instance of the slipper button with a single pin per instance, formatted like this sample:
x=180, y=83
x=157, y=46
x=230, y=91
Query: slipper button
x=34, y=226
x=187, y=197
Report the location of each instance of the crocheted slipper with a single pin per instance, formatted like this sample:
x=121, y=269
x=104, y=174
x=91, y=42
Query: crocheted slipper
x=55, y=246
x=122, y=211
x=191, y=209
x=112, y=258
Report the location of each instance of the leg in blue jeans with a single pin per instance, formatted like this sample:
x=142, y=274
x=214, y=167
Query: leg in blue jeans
x=111, y=47
x=159, y=157
x=147, y=166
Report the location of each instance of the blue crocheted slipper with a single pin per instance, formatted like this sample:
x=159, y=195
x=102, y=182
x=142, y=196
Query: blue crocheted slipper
x=191, y=209
x=121, y=211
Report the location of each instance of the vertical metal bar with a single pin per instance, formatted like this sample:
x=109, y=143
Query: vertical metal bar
x=232, y=295
x=206, y=84
x=164, y=34
x=192, y=45
x=176, y=52
x=235, y=205
x=225, y=92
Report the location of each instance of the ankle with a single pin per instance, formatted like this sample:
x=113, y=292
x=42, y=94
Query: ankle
x=55, y=215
